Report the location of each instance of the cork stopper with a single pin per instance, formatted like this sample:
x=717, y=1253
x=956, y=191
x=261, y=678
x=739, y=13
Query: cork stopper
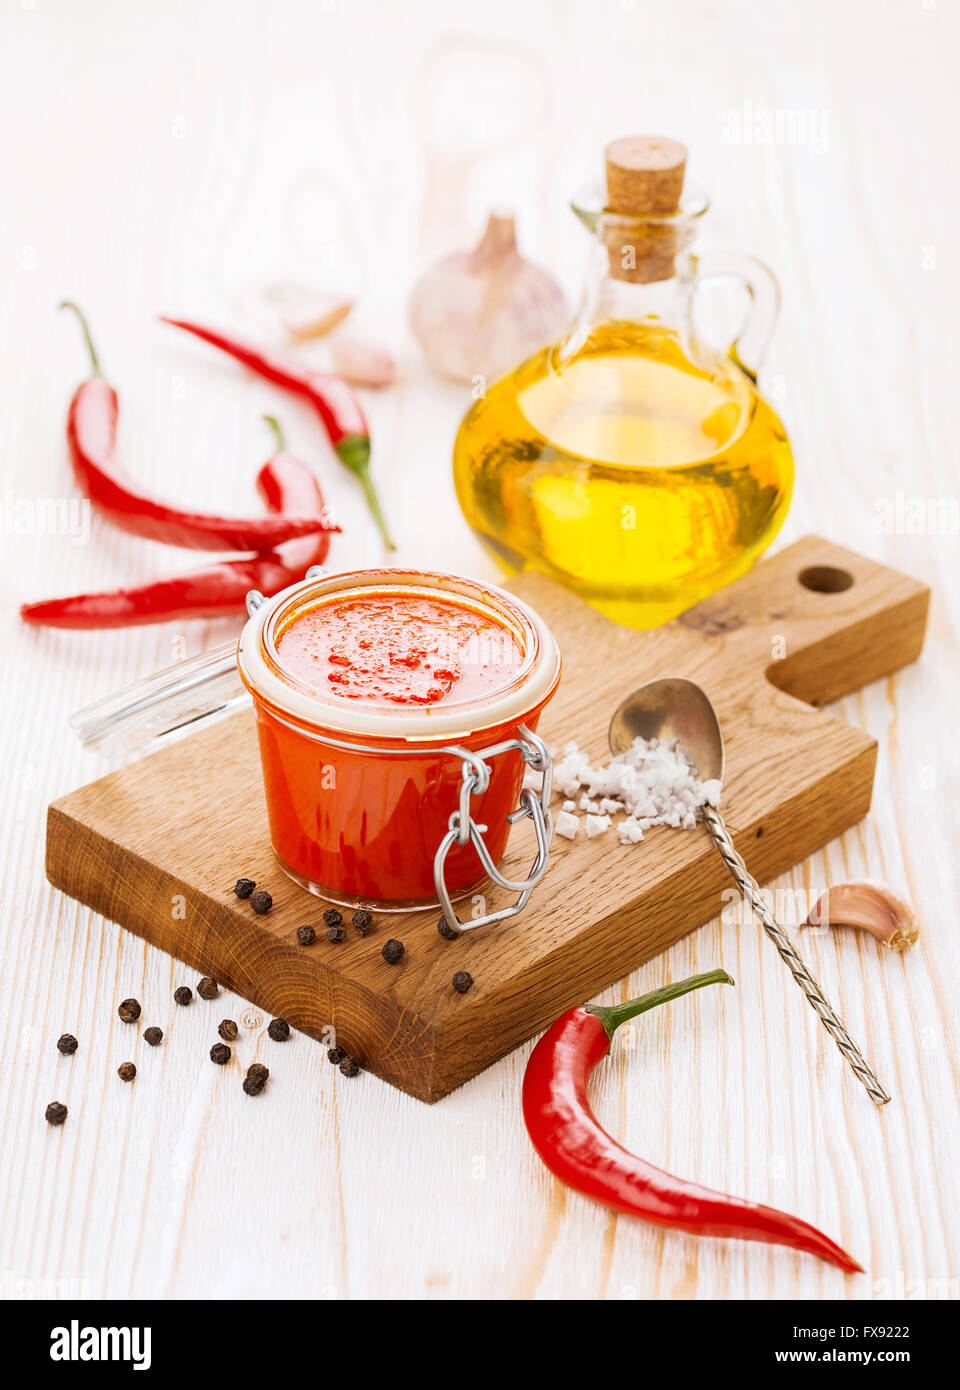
x=644, y=179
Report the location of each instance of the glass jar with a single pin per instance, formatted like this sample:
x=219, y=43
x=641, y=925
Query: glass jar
x=359, y=793
x=630, y=460
x=373, y=803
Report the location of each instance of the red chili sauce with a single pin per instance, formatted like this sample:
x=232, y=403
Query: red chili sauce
x=399, y=649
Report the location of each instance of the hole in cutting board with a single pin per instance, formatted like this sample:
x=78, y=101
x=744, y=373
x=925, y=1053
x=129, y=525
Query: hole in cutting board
x=825, y=579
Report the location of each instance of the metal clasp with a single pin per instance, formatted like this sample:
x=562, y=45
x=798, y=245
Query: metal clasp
x=464, y=829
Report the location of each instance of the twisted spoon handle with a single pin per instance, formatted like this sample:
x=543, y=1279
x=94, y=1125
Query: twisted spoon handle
x=751, y=891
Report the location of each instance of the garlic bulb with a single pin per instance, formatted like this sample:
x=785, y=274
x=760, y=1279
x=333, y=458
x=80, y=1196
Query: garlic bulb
x=478, y=313
x=873, y=907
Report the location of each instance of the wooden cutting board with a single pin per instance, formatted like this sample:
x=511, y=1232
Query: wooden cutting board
x=158, y=845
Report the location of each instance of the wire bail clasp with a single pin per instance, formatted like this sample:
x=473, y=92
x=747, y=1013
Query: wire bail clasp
x=464, y=829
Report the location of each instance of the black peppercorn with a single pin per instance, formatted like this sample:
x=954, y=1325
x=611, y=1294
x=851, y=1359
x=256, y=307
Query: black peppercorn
x=129, y=1010
x=306, y=935
x=336, y=1055
x=67, y=1044
x=392, y=951
x=462, y=981
x=245, y=887
x=55, y=1113
x=253, y=1085
x=126, y=1071
x=154, y=1036
x=362, y=920
x=445, y=930
x=207, y=988
x=220, y=1054
x=333, y=917
x=227, y=1029
x=183, y=995
x=261, y=902
x=350, y=1066
x=279, y=1029
x=258, y=1069
x=336, y=934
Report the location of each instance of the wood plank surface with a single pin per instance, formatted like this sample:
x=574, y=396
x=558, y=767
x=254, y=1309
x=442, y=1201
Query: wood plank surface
x=161, y=158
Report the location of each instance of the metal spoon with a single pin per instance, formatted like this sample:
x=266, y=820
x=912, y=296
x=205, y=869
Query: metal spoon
x=679, y=709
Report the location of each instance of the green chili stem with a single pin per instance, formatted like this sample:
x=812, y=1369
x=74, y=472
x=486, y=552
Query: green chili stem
x=275, y=425
x=613, y=1015
x=354, y=452
x=373, y=502
x=69, y=304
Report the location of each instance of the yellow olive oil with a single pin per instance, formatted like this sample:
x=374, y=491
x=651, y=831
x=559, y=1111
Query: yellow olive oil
x=624, y=470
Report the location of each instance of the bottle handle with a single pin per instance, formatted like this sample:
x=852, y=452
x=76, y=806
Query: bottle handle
x=750, y=343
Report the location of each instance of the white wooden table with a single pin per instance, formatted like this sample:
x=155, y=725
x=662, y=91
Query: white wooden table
x=166, y=158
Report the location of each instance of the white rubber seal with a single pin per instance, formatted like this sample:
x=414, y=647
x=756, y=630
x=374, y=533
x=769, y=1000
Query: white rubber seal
x=536, y=678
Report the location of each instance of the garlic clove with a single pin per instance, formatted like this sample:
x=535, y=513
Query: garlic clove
x=479, y=313
x=362, y=362
x=871, y=906
x=306, y=313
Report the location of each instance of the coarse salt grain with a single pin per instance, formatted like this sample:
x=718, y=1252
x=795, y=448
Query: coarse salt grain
x=596, y=825
x=566, y=825
x=569, y=806
x=629, y=831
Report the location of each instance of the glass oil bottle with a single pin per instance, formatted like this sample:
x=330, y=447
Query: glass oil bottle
x=631, y=461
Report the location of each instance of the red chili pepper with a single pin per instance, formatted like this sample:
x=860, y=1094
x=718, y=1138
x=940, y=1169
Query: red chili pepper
x=284, y=483
x=92, y=434
x=335, y=402
x=575, y=1147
